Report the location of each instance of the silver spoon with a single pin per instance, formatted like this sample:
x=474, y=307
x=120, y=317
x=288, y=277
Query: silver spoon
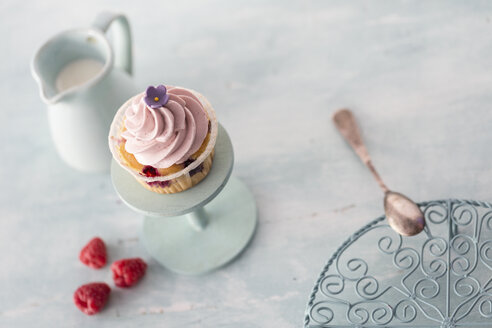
x=403, y=215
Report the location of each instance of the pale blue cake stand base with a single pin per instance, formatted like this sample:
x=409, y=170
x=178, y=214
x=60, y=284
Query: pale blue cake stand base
x=200, y=229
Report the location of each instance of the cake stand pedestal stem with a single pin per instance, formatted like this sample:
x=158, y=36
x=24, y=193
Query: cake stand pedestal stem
x=198, y=219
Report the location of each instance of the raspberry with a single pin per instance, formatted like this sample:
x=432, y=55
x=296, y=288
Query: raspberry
x=196, y=170
x=92, y=297
x=94, y=253
x=150, y=171
x=127, y=272
x=188, y=162
x=162, y=184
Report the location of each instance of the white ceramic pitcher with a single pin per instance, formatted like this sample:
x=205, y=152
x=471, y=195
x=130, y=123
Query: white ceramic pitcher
x=80, y=115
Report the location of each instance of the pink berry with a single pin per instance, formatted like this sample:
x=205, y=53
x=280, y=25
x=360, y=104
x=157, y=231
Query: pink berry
x=94, y=253
x=91, y=298
x=127, y=272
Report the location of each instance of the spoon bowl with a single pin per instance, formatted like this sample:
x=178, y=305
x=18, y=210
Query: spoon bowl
x=403, y=215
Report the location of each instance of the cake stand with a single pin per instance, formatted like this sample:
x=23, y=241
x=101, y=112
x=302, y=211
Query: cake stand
x=440, y=278
x=200, y=229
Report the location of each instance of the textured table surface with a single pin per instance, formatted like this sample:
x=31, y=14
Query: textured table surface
x=417, y=75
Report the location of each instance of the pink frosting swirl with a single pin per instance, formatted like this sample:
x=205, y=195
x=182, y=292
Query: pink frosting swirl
x=167, y=135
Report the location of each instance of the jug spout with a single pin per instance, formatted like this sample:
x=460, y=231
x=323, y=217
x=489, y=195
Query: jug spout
x=47, y=94
x=42, y=89
x=70, y=62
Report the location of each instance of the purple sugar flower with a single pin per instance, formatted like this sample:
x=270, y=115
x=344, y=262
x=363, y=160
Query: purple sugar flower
x=156, y=97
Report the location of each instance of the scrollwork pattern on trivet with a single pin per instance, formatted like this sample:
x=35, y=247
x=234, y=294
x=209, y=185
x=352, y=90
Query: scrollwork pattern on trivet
x=440, y=279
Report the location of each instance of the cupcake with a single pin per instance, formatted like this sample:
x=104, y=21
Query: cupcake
x=165, y=138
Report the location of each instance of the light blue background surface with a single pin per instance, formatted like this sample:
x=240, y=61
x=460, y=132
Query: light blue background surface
x=417, y=75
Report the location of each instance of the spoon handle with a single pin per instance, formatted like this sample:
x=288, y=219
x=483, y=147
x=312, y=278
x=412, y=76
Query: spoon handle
x=345, y=122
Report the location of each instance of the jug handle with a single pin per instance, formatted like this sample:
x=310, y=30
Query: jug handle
x=122, y=38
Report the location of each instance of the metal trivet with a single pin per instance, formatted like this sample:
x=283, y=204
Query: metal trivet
x=439, y=278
